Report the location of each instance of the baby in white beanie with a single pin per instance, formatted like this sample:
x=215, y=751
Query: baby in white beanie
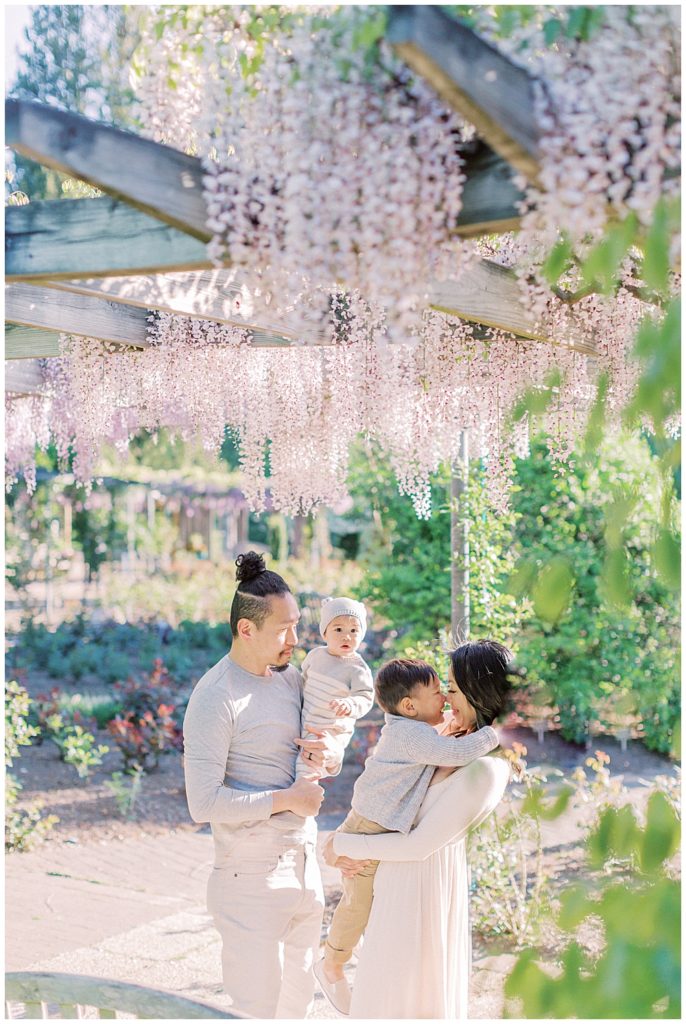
x=337, y=684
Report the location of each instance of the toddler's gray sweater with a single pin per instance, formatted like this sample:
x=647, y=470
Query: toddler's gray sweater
x=395, y=779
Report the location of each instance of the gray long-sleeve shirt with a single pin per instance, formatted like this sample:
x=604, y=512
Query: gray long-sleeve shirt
x=395, y=779
x=239, y=732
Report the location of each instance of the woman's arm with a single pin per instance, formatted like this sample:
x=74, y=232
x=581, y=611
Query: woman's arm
x=465, y=799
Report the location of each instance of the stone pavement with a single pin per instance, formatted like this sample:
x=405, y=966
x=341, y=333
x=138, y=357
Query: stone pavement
x=129, y=910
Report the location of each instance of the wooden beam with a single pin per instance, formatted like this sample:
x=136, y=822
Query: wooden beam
x=217, y=294
x=491, y=202
x=156, y=179
x=92, y=237
x=31, y=306
x=23, y=378
x=36, y=316
x=166, y=184
x=485, y=293
x=28, y=343
x=474, y=78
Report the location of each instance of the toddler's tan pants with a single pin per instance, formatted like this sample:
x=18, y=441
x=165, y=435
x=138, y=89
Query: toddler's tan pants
x=352, y=913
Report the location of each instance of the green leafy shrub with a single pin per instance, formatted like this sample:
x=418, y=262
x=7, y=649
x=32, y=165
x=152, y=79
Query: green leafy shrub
x=508, y=895
x=126, y=789
x=61, y=719
x=114, y=666
x=84, y=660
x=79, y=748
x=597, y=650
x=637, y=973
x=23, y=826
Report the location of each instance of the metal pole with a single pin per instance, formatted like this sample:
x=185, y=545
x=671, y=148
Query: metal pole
x=459, y=546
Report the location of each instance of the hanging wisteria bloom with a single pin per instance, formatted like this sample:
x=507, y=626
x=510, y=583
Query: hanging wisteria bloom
x=323, y=166
x=333, y=182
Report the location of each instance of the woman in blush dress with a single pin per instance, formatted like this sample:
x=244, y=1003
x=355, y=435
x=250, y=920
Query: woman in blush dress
x=415, y=961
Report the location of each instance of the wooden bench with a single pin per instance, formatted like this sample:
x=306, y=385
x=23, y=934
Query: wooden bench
x=39, y=996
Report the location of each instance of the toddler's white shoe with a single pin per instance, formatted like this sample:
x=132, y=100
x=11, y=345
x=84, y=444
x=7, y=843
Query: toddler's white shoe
x=337, y=992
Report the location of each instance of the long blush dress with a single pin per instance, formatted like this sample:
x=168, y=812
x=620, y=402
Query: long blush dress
x=415, y=961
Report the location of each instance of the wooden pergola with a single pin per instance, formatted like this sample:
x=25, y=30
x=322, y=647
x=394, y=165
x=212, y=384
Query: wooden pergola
x=99, y=267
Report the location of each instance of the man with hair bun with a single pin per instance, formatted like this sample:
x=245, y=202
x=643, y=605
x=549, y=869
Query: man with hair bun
x=240, y=730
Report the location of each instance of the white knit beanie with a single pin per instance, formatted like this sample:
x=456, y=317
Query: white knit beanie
x=332, y=607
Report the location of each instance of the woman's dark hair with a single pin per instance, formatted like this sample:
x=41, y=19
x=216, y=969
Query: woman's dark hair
x=256, y=584
x=396, y=679
x=483, y=670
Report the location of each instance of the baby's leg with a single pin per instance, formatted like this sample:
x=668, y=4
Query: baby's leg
x=352, y=913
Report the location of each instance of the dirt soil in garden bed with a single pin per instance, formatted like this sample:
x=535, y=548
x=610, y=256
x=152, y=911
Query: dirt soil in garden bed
x=88, y=811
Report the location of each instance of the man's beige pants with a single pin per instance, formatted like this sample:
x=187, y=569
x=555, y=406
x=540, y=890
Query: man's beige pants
x=267, y=905
x=352, y=913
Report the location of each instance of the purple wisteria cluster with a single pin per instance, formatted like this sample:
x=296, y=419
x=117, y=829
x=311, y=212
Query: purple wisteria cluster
x=333, y=181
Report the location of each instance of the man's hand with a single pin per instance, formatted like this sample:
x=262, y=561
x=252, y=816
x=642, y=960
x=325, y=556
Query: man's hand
x=341, y=708
x=346, y=865
x=304, y=797
x=322, y=753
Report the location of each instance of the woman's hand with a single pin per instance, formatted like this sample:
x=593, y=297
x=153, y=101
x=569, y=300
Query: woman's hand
x=346, y=865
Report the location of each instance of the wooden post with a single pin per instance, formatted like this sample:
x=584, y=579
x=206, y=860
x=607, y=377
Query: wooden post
x=459, y=547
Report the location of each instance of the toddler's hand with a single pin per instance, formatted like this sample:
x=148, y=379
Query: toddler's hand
x=341, y=708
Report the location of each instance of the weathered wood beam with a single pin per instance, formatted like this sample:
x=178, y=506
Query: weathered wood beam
x=491, y=202
x=485, y=293
x=166, y=183
x=29, y=342
x=36, y=316
x=92, y=237
x=217, y=294
x=156, y=179
x=66, y=313
x=474, y=78
x=23, y=378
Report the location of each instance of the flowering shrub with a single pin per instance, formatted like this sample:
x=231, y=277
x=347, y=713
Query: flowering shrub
x=142, y=738
x=150, y=725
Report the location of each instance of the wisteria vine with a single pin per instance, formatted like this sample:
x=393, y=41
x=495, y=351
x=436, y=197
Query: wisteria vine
x=333, y=180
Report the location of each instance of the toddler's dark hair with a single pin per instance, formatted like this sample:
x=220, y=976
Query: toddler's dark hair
x=396, y=679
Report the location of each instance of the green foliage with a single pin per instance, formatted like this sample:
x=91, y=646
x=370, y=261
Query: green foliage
x=79, y=748
x=508, y=878
x=603, y=626
x=637, y=973
x=126, y=790
x=502, y=20
x=75, y=57
x=566, y=578
x=600, y=269
x=23, y=826
x=407, y=570
x=18, y=731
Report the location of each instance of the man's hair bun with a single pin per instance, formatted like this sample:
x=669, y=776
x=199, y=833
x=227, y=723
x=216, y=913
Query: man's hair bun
x=248, y=566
